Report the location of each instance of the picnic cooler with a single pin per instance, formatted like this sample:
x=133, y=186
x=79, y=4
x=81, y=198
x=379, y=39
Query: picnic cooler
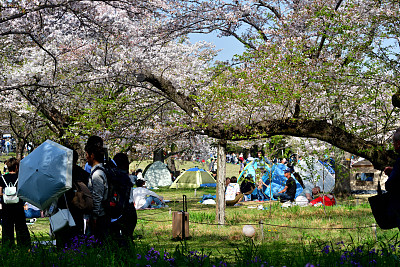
x=180, y=222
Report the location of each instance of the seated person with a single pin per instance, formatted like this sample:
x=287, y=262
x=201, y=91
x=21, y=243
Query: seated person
x=260, y=190
x=307, y=196
x=232, y=194
x=247, y=187
x=32, y=211
x=289, y=191
x=143, y=197
x=327, y=200
x=227, y=182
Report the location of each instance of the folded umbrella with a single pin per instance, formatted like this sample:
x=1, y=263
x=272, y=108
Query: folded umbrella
x=45, y=174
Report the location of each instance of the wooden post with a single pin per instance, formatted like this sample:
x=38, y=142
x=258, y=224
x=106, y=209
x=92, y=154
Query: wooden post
x=221, y=173
x=374, y=231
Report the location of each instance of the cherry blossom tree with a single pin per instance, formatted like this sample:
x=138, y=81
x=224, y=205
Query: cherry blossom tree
x=309, y=70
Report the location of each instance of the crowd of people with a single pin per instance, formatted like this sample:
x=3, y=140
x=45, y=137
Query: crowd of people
x=100, y=222
x=309, y=196
x=7, y=145
x=104, y=179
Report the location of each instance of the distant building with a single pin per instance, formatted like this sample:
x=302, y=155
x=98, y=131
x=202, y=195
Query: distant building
x=365, y=177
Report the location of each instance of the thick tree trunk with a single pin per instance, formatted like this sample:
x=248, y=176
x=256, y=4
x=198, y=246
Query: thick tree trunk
x=158, y=155
x=20, y=146
x=342, y=179
x=319, y=129
x=171, y=165
x=221, y=173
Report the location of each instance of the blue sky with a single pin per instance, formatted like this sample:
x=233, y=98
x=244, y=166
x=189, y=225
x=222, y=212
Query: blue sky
x=229, y=45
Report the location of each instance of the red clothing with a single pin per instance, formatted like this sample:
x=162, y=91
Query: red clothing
x=327, y=201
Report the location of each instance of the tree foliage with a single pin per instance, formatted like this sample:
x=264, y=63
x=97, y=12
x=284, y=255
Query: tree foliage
x=125, y=70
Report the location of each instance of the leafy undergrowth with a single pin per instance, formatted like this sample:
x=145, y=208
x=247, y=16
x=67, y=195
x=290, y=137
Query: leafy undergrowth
x=86, y=251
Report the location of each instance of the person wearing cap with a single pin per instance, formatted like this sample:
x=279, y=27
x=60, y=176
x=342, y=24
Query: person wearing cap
x=289, y=191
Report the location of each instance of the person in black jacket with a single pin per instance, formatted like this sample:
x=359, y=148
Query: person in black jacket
x=289, y=191
x=13, y=214
x=64, y=236
x=122, y=228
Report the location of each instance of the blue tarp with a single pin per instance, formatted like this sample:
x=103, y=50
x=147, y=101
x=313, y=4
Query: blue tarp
x=329, y=167
x=278, y=180
x=195, y=169
x=250, y=168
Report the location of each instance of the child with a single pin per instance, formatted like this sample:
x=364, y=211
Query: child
x=260, y=190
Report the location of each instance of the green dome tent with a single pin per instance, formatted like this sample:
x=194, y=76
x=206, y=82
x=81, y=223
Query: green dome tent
x=194, y=178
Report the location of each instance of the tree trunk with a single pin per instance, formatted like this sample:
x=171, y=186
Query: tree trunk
x=342, y=179
x=221, y=173
x=19, y=148
x=171, y=165
x=158, y=155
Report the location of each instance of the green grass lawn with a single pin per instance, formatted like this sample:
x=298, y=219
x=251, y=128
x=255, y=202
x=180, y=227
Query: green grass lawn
x=339, y=235
x=285, y=231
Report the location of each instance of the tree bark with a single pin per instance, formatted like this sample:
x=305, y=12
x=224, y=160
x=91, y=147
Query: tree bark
x=319, y=129
x=158, y=155
x=310, y=128
x=221, y=173
x=20, y=146
x=342, y=178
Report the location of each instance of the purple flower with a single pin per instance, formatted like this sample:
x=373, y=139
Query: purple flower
x=326, y=249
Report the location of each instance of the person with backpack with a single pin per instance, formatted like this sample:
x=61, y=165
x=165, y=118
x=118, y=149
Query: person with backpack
x=13, y=209
x=80, y=179
x=99, y=221
x=123, y=226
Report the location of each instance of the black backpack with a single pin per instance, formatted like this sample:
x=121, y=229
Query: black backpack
x=119, y=189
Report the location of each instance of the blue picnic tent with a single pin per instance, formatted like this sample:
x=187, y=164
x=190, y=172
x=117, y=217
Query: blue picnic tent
x=276, y=180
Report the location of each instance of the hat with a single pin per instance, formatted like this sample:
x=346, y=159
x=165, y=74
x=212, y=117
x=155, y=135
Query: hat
x=288, y=170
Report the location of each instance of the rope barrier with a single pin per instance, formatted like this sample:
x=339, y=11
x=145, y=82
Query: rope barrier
x=273, y=225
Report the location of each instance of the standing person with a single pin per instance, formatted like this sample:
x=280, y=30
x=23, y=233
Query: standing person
x=289, y=191
x=99, y=222
x=123, y=227
x=3, y=145
x=242, y=165
x=393, y=182
x=13, y=214
x=8, y=146
x=64, y=236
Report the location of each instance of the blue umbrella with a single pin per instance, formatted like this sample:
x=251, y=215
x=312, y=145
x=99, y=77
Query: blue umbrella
x=45, y=174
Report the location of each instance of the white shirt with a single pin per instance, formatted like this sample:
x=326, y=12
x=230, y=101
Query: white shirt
x=231, y=191
x=139, y=196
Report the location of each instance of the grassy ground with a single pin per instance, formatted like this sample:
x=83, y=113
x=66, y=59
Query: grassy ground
x=283, y=236
x=284, y=230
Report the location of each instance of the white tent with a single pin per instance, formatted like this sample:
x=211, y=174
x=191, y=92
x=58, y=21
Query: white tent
x=313, y=173
x=157, y=174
